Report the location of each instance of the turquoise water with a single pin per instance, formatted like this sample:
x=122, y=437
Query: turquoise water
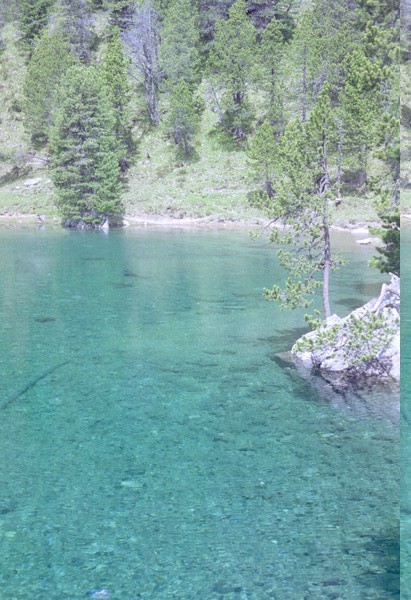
x=152, y=445
x=405, y=415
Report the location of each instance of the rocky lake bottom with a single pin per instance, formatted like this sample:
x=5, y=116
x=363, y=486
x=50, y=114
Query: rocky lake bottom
x=153, y=446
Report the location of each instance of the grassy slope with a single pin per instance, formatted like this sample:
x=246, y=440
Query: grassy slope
x=213, y=183
x=17, y=161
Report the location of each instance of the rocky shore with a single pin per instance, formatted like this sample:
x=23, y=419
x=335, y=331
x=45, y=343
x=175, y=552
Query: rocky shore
x=364, y=344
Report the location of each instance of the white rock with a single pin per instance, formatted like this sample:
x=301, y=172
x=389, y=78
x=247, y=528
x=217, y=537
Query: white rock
x=369, y=240
x=331, y=356
x=32, y=182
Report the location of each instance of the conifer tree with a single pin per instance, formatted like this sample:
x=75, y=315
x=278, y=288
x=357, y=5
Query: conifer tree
x=333, y=39
x=263, y=154
x=84, y=154
x=33, y=18
x=301, y=58
x=361, y=108
x=50, y=60
x=179, y=52
x=387, y=189
x=115, y=76
x=231, y=63
x=388, y=258
x=183, y=120
x=76, y=21
x=270, y=73
x=180, y=59
x=210, y=13
x=323, y=39
x=301, y=203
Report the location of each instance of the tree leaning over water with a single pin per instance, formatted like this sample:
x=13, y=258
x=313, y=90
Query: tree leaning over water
x=84, y=152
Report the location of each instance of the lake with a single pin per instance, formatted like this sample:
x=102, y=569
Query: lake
x=153, y=446
x=405, y=415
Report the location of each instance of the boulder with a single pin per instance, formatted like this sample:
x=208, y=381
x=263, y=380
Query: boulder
x=32, y=182
x=369, y=240
x=366, y=343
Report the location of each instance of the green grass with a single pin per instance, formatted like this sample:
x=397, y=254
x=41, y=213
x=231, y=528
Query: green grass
x=355, y=210
x=14, y=142
x=214, y=182
x=36, y=200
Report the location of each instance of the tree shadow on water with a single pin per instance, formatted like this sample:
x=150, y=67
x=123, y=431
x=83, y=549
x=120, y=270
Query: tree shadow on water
x=383, y=574
x=284, y=339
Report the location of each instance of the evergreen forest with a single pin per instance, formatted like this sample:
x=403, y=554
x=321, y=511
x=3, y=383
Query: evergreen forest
x=278, y=109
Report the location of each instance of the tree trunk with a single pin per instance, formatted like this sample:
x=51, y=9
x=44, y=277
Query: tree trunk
x=327, y=266
x=339, y=160
x=142, y=41
x=238, y=97
x=152, y=104
x=269, y=188
x=324, y=186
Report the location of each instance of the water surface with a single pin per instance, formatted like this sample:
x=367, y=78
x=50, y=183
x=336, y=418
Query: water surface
x=151, y=444
x=405, y=414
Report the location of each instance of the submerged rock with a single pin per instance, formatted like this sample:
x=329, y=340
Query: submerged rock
x=366, y=343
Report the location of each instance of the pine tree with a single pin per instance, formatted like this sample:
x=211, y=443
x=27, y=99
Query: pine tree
x=210, y=13
x=231, y=63
x=361, y=108
x=84, y=155
x=50, y=60
x=263, y=154
x=388, y=260
x=179, y=52
x=301, y=58
x=379, y=25
x=76, y=21
x=323, y=39
x=387, y=189
x=115, y=76
x=270, y=73
x=33, y=18
x=183, y=120
x=301, y=204
x=179, y=59
x=334, y=39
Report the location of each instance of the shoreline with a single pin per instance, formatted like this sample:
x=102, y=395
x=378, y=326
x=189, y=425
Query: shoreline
x=165, y=221
x=216, y=222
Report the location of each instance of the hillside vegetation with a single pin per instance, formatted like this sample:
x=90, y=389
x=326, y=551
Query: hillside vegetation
x=191, y=86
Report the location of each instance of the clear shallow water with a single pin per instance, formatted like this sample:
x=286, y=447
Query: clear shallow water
x=405, y=414
x=170, y=456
